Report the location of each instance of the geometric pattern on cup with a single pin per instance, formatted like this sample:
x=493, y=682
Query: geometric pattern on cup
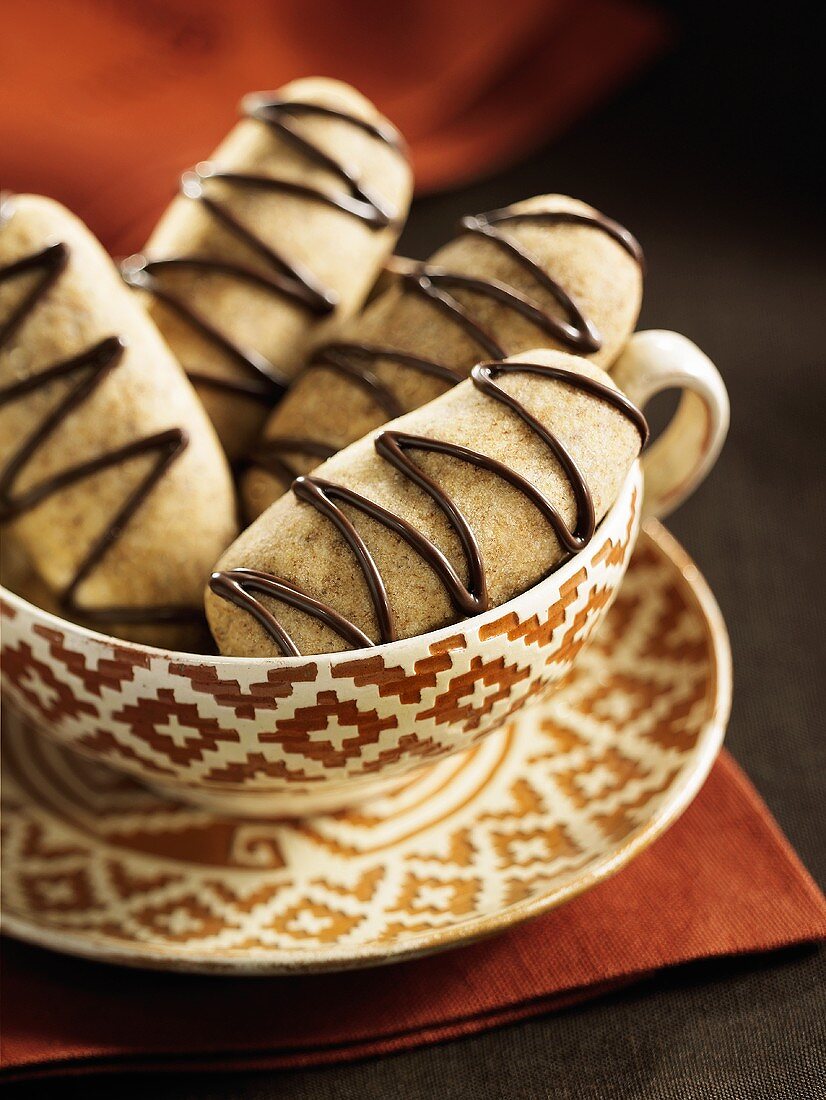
x=185, y=724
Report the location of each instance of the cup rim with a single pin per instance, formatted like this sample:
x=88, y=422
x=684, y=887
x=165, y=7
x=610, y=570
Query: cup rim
x=554, y=578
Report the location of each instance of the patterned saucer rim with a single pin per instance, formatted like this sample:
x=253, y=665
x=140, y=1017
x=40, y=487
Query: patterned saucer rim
x=278, y=961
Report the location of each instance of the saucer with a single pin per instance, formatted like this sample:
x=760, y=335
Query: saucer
x=539, y=811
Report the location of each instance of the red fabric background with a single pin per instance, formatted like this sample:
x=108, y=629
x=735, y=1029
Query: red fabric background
x=104, y=103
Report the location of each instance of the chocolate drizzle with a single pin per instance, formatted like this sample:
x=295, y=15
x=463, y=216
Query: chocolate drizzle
x=271, y=454
x=575, y=332
x=86, y=371
x=242, y=587
x=283, y=278
x=353, y=361
x=437, y=285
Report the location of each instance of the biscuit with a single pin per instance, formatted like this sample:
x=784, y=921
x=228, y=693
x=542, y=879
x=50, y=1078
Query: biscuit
x=547, y=272
x=401, y=533
x=112, y=478
x=272, y=243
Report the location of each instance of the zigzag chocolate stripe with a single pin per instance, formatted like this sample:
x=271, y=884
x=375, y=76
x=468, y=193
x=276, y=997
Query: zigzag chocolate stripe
x=575, y=331
x=90, y=367
x=240, y=586
x=352, y=361
x=286, y=279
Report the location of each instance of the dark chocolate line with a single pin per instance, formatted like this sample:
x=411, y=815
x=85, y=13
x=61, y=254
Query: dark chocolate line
x=395, y=448
x=277, y=113
x=90, y=367
x=593, y=220
x=237, y=585
x=262, y=378
x=353, y=361
x=432, y=283
x=577, y=333
x=241, y=387
x=269, y=455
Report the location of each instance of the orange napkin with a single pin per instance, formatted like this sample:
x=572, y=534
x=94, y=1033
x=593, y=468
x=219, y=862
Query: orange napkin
x=105, y=104
x=722, y=881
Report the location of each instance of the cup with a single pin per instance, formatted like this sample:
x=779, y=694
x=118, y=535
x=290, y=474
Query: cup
x=298, y=735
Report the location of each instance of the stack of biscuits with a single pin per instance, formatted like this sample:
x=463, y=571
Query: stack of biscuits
x=410, y=442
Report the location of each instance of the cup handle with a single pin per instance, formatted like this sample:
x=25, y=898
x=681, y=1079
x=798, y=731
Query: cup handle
x=684, y=454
